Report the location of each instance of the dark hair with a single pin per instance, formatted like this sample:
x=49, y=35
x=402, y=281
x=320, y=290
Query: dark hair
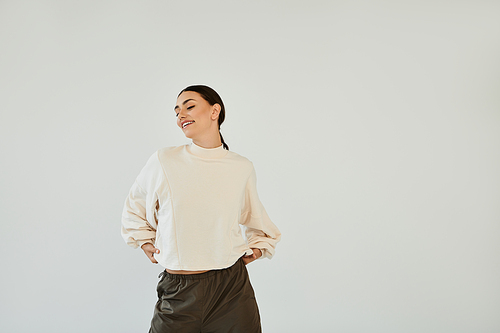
x=212, y=97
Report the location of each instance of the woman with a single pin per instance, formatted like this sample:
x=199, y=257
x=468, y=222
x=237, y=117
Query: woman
x=185, y=210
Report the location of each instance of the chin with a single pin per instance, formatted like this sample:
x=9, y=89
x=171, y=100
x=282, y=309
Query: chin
x=188, y=135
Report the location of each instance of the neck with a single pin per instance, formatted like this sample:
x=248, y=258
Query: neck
x=208, y=142
x=210, y=153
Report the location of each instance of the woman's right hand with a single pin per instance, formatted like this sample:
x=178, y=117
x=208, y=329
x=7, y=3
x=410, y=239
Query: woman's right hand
x=149, y=249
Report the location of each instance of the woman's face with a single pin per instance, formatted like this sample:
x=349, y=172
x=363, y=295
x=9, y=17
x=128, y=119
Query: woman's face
x=195, y=116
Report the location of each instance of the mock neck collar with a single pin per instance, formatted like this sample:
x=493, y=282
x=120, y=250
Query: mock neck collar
x=217, y=152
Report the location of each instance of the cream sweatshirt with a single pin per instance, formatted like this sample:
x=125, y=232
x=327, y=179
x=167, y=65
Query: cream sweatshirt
x=190, y=201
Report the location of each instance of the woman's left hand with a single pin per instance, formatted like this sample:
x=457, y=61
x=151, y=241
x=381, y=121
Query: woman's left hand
x=257, y=253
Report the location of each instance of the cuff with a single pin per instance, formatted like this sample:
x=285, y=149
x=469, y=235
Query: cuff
x=144, y=241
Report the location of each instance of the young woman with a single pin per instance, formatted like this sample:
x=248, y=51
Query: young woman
x=185, y=209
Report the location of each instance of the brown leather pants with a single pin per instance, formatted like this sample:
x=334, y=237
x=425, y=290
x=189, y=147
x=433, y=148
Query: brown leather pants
x=218, y=301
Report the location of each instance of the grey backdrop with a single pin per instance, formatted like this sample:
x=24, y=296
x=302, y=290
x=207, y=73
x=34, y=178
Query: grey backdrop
x=374, y=127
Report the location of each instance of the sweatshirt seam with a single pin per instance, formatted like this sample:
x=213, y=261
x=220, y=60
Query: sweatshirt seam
x=237, y=225
x=139, y=185
x=171, y=206
x=252, y=169
x=251, y=215
x=147, y=208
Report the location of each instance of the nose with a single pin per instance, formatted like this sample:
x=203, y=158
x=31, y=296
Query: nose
x=181, y=115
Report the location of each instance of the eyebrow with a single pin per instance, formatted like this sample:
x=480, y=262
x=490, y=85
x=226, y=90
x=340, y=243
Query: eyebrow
x=183, y=103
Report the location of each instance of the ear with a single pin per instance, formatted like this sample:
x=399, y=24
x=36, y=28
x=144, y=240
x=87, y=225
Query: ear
x=215, y=111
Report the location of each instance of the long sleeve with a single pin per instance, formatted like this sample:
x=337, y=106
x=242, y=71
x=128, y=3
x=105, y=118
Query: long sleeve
x=139, y=216
x=260, y=231
x=196, y=205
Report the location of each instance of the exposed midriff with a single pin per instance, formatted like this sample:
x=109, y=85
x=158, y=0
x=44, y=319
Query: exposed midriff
x=184, y=272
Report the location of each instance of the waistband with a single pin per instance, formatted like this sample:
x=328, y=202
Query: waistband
x=181, y=277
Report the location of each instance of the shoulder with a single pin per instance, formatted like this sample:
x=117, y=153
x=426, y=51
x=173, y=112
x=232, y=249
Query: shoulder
x=168, y=153
x=237, y=157
x=245, y=165
x=155, y=160
x=170, y=150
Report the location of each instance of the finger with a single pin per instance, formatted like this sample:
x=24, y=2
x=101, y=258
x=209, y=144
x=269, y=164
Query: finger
x=149, y=254
x=154, y=259
x=248, y=260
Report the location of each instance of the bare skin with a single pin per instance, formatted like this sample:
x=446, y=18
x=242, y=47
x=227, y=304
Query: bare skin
x=204, y=132
x=149, y=250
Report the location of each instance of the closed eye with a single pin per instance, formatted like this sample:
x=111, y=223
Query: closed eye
x=189, y=108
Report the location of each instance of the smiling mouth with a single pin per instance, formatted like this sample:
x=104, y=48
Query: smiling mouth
x=187, y=124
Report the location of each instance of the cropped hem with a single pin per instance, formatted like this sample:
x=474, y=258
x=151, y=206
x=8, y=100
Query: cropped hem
x=199, y=276
x=199, y=268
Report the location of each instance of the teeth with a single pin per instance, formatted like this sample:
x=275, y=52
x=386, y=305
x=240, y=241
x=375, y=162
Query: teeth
x=185, y=124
